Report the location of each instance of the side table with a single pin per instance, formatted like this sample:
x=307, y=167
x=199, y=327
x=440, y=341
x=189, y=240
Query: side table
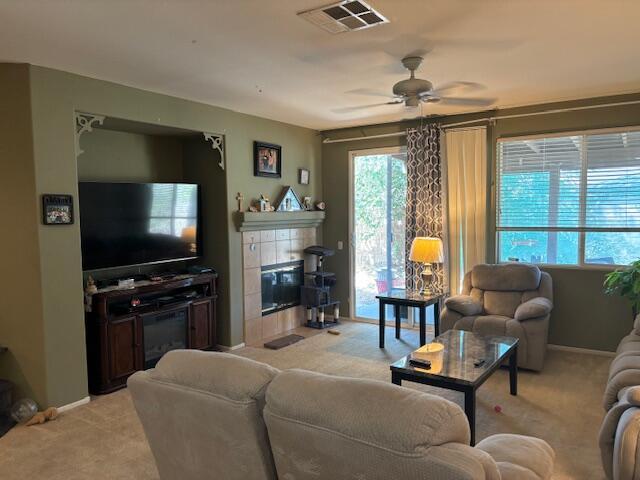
x=399, y=298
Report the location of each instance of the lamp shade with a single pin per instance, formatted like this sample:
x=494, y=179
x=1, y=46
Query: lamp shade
x=426, y=250
x=189, y=234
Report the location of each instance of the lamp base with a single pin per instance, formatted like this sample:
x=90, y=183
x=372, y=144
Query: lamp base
x=426, y=276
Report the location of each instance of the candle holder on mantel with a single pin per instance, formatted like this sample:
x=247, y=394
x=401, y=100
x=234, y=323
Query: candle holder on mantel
x=316, y=295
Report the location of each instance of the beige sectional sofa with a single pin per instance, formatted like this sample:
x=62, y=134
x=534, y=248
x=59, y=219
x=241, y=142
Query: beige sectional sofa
x=620, y=430
x=512, y=299
x=217, y=415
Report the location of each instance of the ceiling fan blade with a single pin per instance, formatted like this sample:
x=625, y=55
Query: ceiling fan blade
x=363, y=107
x=369, y=92
x=454, y=87
x=470, y=101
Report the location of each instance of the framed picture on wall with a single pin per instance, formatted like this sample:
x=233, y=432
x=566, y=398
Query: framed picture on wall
x=57, y=209
x=267, y=160
x=303, y=176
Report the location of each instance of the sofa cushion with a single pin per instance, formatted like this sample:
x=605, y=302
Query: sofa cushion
x=534, y=308
x=631, y=338
x=417, y=421
x=626, y=349
x=622, y=363
x=231, y=376
x=501, y=303
x=618, y=437
x=623, y=372
x=464, y=304
x=202, y=413
x=331, y=427
x=520, y=457
x=505, y=277
x=484, y=324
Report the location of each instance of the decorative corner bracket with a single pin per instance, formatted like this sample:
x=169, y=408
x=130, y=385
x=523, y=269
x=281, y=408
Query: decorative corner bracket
x=84, y=123
x=217, y=143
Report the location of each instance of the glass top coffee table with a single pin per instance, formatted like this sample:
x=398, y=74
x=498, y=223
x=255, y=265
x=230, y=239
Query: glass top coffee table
x=463, y=363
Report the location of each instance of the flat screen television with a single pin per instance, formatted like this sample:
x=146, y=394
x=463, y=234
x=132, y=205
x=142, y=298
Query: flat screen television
x=124, y=224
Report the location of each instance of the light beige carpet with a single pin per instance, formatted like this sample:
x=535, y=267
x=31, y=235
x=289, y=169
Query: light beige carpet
x=104, y=440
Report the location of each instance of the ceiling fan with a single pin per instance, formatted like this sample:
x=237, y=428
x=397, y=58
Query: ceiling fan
x=414, y=91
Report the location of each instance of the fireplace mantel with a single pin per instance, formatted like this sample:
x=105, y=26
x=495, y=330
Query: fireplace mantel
x=251, y=221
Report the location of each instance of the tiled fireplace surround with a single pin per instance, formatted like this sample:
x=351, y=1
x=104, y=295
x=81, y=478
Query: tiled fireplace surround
x=269, y=247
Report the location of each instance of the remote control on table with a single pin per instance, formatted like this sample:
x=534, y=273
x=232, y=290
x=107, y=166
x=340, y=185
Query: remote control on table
x=416, y=362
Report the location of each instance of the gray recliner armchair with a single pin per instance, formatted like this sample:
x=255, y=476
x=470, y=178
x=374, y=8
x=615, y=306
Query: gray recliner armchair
x=513, y=299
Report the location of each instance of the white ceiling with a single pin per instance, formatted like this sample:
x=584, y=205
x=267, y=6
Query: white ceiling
x=258, y=57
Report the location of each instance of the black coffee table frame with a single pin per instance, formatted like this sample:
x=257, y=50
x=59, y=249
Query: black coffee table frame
x=468, y=388
x=419, y=301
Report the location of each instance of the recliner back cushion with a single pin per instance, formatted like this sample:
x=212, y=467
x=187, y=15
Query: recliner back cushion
x=505, y=277
x=502, y=303
x=323, y=426
x=477, y=295
x=202, y=415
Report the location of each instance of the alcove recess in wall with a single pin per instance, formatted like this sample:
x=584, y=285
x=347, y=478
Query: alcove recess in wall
x=119, y=150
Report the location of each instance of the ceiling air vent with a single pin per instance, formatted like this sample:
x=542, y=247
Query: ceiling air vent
x=344, y=16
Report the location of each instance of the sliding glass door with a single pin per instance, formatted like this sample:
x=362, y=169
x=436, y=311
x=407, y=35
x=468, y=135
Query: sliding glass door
x=378, y=200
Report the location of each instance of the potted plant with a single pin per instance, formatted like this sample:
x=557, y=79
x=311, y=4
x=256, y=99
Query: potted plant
x=626, y=283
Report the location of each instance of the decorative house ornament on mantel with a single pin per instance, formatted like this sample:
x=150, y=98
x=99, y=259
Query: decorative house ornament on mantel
x=217, y=143
x=265, y=204
x=288, y=201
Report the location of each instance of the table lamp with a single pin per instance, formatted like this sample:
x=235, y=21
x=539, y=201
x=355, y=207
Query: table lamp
x=189, y=235
x=426, y=250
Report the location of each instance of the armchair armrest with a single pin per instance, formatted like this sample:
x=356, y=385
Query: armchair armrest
x=464, y=304
x=619, y=436
x=534, y=308
x=519, y=457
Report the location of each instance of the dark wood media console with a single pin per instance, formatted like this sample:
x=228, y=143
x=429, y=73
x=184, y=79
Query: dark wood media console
x=123, y=337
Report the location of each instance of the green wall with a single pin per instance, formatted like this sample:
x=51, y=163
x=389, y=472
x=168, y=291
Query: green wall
x=116, y=156
x=56, y=256
x=21, y=319
x=200, y=165
x=583, y=317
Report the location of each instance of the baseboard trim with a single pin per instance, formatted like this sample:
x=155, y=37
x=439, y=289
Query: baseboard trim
x=564, y=348
x=82, y=401
x=224, y=348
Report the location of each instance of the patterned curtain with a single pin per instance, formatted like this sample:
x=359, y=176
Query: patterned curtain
x=424, y=198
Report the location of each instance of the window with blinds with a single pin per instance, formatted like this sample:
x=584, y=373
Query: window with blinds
x=571, y=199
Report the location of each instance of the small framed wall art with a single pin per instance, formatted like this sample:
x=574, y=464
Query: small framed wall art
x=267, y=160
x=57, y=209
x=303, y=176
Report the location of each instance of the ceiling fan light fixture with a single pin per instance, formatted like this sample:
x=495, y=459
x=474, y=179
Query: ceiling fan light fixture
x=413, y=101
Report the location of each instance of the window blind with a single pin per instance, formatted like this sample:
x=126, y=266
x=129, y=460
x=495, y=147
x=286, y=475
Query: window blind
x=613, y=180
x=569, y=199
x=539, y=182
